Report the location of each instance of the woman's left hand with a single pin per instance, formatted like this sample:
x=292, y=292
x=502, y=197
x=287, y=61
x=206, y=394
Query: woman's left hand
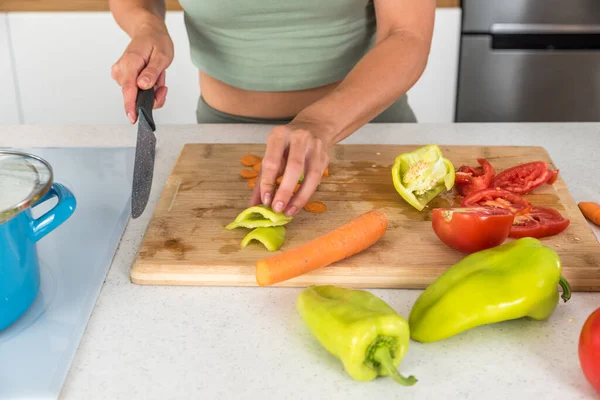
x=292, y=149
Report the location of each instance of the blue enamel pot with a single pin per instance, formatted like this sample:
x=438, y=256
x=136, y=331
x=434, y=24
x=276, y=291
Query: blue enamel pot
x=26, y=181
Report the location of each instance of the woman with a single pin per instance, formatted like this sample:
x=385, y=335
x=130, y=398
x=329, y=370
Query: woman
x=317, y=69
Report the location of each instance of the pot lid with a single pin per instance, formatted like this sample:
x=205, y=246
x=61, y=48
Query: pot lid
x=24, y=179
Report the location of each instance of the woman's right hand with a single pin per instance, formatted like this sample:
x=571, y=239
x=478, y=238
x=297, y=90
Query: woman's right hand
x=143, y=65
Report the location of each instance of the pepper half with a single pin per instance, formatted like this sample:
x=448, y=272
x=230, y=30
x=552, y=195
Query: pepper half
x=358, y=328
x=257, y=217
x=514, y=280
x=420, y=175
x=271, y=237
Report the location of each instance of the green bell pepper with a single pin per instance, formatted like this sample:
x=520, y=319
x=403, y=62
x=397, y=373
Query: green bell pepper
x=271, y=237
x=420, y=175
x=358, y=328
x=257, y=217
x=514, y=280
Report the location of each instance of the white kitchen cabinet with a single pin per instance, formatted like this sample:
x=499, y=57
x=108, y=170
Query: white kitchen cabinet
x=9, y=105
x=63, y=69
x=63, y=62
x=433, y=97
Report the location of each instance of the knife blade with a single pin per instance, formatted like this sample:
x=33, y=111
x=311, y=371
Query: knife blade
x=145, y=152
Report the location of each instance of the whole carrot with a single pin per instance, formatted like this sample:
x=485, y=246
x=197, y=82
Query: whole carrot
x=590, y=210
x=353, y=237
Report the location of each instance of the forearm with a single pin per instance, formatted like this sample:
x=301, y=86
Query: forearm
x=384, y=74
x=132, y=15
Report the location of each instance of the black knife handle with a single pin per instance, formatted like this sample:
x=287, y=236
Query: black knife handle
x=144, y=103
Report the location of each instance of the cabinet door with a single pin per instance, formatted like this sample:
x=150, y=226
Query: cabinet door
x=433, y=97
x=9, y=109
x=63, y=64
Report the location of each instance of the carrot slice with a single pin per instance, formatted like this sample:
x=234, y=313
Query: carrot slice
x=315, y=207
x=252, y=183
x=279, y=180
x=353, y=237
x=250, y=160
x=297, y=188
x=590, y=210
x=256, y=167
x=326, y=172
x=248, y=174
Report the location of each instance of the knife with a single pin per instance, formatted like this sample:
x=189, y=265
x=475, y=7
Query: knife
x=145, y=151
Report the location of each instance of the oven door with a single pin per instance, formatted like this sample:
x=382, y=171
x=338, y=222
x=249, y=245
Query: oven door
x=530, y=73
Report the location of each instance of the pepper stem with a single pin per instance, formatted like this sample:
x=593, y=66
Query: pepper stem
x=382, y=356
x=566, y=295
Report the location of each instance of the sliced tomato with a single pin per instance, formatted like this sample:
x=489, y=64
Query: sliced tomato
x=474, y=179
x=497, y=198
x=538, y=223
x=523, y=178
x=589, y=349
x=472, y=229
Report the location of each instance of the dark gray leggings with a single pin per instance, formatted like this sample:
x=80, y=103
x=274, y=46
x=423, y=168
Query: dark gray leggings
x=400, y=111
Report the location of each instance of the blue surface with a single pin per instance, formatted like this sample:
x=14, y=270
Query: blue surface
x=19, y=266
x=37, y=350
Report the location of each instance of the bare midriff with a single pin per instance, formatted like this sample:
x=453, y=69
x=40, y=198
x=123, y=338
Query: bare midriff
x=247, y=103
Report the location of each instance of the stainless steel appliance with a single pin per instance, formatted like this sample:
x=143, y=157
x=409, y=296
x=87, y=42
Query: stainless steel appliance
x=529, y=61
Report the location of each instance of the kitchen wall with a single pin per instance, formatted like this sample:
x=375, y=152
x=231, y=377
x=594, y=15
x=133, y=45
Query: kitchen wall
x=55, y=69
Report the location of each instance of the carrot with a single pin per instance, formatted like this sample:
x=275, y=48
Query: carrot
x=315, y=207
x=326, y=172
x=279, y=180
x=590, y=210
x=252, y=183
x=256, y=167
x=353, y=237
x=248, y=174
x=250, y=160
x=297, y=188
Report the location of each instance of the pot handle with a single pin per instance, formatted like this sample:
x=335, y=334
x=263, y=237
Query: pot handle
x=57, y=215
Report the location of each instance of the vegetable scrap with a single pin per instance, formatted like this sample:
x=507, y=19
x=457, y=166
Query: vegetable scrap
x=248, y=174
x=252, y=182
x=367, y=335
x=514, y=280
x=315, y=207
x=271, y=237
x=250, y=160
x=351, y=238
x=256, y=166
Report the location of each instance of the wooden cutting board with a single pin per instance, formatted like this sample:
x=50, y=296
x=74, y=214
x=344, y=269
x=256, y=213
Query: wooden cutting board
x=186, y=243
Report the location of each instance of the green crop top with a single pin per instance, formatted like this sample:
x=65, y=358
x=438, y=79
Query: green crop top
x=278, y=45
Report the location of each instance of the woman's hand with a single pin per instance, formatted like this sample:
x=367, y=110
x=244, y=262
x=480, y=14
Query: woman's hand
x=292, y=150
x=143, y=65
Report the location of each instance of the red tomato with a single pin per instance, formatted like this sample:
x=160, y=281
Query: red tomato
x=523, y=178
x=539, y=222
x=499, y=199
x=468, y=179
x=472, y=229
x=589, y=349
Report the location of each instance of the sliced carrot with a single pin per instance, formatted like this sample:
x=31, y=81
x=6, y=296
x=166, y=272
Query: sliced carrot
x=279, y=180
x=250, y=160
x=256, y=167
x=248, y=174
x=590, y=210
x=353, y=237
x=326, y=172
x=252, y=183
x=315, y=207
x=297, y=188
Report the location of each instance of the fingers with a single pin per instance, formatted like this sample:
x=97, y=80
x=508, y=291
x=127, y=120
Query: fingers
x=293, y=171
x=160, y=96
x=271, y=163
x=317, y=161
x=157, y=64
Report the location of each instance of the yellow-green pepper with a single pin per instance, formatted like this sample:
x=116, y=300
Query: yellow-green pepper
x=420, y=175
x=271, y=237
x=514, y=280
x=258, y=216
x=358, y=328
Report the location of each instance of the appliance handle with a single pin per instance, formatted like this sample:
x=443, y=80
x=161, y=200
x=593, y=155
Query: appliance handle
x=541, y=29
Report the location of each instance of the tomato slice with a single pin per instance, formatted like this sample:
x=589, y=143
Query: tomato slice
x=539, y=222
x=472, y=229
x=523, y=178
x=589, y=349
x=469, y=179
x=497, y=198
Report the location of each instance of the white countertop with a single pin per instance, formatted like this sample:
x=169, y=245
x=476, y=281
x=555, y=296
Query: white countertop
x=145, y=342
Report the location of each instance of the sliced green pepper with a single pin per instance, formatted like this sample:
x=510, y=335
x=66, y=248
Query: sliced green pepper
x=420, y=175
x=257, y=217
x=514, y=280
x=359, y=328
x=271, y=237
